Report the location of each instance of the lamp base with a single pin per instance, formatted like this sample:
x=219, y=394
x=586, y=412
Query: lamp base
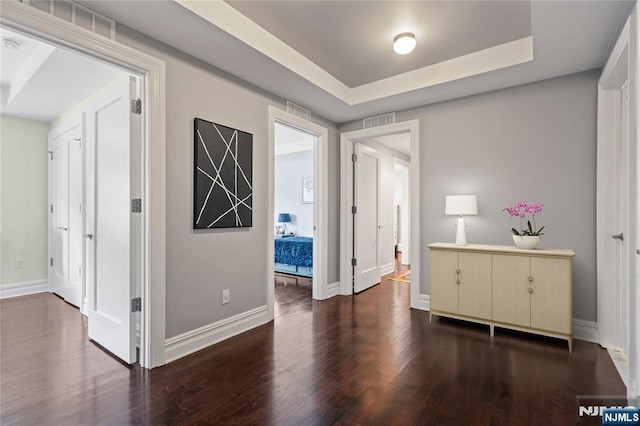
x=461, y=237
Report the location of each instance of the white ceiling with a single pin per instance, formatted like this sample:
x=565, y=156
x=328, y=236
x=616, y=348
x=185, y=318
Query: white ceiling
x=400, y=142
x=289, y=140
x=566, y=37
x=41, y=82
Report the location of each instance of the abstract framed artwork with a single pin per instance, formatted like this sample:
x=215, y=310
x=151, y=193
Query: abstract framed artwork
x=222, y=179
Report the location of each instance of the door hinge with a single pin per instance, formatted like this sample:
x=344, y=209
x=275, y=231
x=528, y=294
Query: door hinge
x=51, y=208
x=354, y=157
x=136, y=304
x=354, y=209
x=136, y=106
x=50, y=155
x=136, y=205
x=354, y=262
x=51, y=261
x=79, y=142
x=80, y=205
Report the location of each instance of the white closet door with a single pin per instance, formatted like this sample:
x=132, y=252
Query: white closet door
x=74, y=284
x=60, y=217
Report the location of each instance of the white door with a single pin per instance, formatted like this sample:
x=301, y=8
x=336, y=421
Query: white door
x=365, y=229
x=111, y=271
x=621, y=221
x=67, y=181
x=73, y=290
x=60, y=261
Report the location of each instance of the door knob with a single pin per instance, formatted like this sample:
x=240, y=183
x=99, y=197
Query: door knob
x=619, y=236
x=88, y=236
x=62, y=228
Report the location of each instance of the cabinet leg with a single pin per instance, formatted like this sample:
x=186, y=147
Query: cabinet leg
x=491, y=332
x=430, y=317
x=570, y=343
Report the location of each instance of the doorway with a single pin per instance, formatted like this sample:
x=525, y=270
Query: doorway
x=312, y=192
x=22, y=18
x=348, y=189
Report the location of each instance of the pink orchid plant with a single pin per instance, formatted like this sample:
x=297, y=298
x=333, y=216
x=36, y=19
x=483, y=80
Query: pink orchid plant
x=521, y=210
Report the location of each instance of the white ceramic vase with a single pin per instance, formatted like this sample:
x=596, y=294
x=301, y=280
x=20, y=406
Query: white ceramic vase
x=526, y=242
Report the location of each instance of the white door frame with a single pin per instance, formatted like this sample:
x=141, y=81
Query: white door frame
x=347, y=141
x=320, y=182
x=619, y=69
x=38, y=24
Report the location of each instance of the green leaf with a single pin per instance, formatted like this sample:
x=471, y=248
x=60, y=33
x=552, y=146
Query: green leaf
x=530, y=227
x=515, y=232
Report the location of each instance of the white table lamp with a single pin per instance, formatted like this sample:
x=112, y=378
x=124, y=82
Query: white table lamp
x=460, y=205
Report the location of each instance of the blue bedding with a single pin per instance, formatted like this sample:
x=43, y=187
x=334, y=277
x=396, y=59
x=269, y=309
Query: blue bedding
x=296, y=251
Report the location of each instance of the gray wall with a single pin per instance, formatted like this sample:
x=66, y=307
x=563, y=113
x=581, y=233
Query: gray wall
x=535, y=142
x=289, y=171
x=201, y=264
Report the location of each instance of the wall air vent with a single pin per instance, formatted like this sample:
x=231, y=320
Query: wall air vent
x=379, y=120
x=77, y=14
x=298, y=111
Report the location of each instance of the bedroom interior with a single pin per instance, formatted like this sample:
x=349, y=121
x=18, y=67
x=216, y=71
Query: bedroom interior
x=293, y=204
x=515, y=101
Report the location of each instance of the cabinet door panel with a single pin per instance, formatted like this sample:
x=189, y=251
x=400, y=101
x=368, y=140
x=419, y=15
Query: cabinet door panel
x=474, y=291
x=551, y=297
x=511, y=299
x=444, y=290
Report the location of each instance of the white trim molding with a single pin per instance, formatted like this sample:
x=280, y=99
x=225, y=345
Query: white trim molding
x=333, y=289
x=203, y=337
x=38, y=24
x=23, y=289
x=424, y=302
x=585, y=330
x=386, y=269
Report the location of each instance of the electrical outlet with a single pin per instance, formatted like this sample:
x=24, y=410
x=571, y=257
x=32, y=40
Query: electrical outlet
x=225, y=296
x=19, y=263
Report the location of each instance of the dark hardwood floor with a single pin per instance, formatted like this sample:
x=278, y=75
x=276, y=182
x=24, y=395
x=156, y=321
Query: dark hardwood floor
x=364, y=360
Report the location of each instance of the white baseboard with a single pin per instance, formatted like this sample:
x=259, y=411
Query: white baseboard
x=386, y=269
x=585, y=330
x=23, y=289
x=333, y=289
x=424, y=302
x=200, y=338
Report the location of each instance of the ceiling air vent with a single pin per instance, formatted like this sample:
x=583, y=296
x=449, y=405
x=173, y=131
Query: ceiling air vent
x=379, y=120
x=298, y=111
x=77, y=14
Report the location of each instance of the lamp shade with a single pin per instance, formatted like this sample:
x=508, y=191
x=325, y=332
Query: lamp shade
x=461, y=205
x=284, y=218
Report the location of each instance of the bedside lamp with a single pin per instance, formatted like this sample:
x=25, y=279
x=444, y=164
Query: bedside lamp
x=284, y=218
x=460, y=205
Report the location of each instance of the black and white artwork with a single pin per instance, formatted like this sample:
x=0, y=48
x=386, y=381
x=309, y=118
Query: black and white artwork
x=222, y=176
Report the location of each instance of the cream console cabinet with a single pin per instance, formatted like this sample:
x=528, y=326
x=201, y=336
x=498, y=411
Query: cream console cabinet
x=501, y=286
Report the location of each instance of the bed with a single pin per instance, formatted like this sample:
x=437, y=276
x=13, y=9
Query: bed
x=294, y=255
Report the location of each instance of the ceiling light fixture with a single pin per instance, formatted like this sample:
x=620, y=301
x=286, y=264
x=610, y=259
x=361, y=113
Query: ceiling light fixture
x=404, y=43
x=10, y=44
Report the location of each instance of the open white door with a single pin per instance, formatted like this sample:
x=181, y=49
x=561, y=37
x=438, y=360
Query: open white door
x=111, y=272
x=365, y=229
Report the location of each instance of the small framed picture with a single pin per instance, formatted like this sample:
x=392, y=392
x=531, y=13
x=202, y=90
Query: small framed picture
x=307, y=190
